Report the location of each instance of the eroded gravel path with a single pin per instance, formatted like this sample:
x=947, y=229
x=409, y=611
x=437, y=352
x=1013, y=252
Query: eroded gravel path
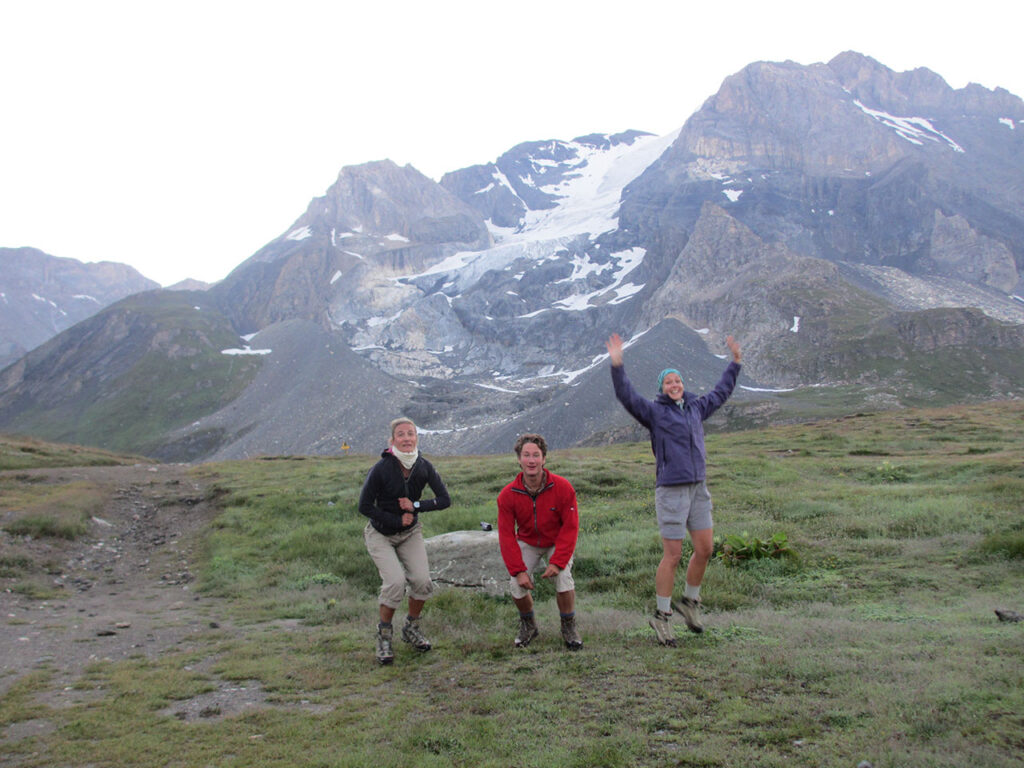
x=124, y=589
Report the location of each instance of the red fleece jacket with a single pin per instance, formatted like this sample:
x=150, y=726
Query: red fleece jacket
x=550, y=518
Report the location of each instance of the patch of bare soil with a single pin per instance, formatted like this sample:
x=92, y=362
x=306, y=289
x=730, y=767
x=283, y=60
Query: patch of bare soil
x=124, y=590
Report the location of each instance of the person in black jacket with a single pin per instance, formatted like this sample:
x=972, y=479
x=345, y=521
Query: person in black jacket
x=394, y=537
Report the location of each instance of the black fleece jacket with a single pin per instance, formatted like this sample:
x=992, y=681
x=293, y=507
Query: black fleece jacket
x=385, y=485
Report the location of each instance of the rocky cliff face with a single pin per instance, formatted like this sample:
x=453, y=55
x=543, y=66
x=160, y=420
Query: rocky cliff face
x=847, y=161
x=957, y=250
x=375, y=222
x=41, y=295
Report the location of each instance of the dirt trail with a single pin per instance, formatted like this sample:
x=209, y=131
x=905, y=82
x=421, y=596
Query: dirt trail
x=124, y=589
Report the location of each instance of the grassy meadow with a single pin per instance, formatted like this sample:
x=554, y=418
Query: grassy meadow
x=876, y=640
x=20, y=452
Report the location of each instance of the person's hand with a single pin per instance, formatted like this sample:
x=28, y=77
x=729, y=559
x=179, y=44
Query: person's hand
x=734, y=347
x=551, y=571
x=614, y=347
x=408, y=518
x=524, y=580
x=404, y=504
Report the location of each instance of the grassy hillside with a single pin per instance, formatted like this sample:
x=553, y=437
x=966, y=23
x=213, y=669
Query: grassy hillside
x=878, y=641
x=127, y=376
x=21, y=452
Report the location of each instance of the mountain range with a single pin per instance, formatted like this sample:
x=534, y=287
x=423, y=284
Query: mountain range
x=42, y=295
x=860, y=232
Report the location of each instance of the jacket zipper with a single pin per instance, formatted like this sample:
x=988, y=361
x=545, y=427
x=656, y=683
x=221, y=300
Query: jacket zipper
x=536, y=524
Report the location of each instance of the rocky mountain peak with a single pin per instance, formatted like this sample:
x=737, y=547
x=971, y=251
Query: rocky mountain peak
x=380, y=198
x=919, y=91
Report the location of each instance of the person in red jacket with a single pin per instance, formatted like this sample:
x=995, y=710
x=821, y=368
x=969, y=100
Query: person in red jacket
x=538, y=519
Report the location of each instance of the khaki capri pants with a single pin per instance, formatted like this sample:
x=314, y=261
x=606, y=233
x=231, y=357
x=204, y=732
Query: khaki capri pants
x=400, y=559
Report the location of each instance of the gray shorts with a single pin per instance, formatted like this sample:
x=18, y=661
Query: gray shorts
x=682, y=508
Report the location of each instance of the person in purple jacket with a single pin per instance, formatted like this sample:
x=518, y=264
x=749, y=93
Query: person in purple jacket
x=681, y=499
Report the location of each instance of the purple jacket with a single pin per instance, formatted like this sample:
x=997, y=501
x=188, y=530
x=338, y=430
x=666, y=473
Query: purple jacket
x=677, y=430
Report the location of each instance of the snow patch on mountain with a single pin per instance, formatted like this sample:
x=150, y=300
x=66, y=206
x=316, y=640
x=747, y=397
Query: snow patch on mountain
x=587, y=205
x=299, y=233
x=628, y=261
x=246, y=351
x=916, y=130
x=589, y=197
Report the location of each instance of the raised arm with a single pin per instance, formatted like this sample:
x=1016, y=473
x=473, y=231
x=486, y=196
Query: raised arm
x=734, y=347
x=614, y=347
x=638, y=407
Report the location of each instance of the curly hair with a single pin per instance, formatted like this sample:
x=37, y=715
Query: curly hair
x=531, y=438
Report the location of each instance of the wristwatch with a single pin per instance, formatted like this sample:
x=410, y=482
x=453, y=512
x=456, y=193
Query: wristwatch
x=415, y=505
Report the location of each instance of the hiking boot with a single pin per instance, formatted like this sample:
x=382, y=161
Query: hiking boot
x=527, y=631
x=411, y=634
x=570, y=634
x=660, y=624
x=384, y=653
x=690, y=609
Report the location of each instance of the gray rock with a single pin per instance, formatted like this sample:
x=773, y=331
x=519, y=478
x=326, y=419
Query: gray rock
x=468, y=559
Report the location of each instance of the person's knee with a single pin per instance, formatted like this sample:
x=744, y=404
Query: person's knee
x=671, y=557
x=421, y=588
x=392, y=593
x=517, y=592
x=564, y=582
x=702, y=550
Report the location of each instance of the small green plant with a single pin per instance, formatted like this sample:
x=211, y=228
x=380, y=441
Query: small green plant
x=1010, y=545
x=318, y=579
x=56, y=526
x=733, y=549
x=888, y=472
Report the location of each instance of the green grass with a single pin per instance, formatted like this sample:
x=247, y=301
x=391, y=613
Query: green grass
x=58, y=510
x=21, y=452
x=876, y=642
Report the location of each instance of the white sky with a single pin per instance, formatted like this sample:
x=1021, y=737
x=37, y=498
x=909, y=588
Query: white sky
x=180, y=137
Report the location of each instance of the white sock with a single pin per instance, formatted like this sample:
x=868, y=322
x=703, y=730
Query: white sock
x=691, y=592
x=664, y=603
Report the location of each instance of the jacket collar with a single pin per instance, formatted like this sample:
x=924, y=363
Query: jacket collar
x=520, y=485
x=664, y=399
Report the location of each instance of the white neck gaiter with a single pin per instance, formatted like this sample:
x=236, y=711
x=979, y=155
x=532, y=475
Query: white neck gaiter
x=407, y=459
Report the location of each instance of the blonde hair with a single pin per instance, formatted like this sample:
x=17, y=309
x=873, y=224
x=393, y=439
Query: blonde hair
x=401, y=420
